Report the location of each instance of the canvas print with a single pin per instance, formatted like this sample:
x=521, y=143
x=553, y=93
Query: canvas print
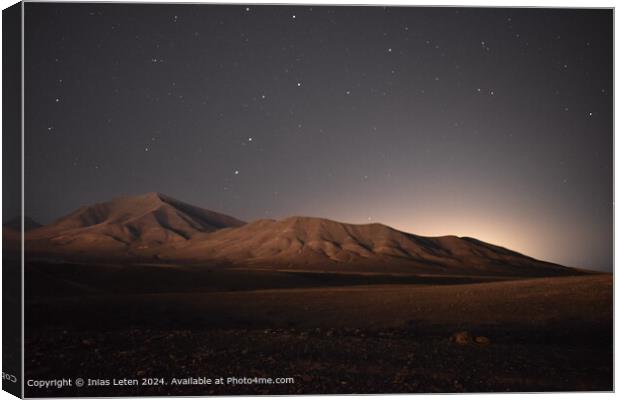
x=302, y=199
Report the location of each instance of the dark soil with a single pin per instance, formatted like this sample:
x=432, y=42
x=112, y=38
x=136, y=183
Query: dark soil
x=548, y=334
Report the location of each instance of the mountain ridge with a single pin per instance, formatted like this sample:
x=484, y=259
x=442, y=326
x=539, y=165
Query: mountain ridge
x=157, y=227
x=315, y=242
x=143, y=220
x=16, y=224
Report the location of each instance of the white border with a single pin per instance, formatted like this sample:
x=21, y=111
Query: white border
x=478, y=3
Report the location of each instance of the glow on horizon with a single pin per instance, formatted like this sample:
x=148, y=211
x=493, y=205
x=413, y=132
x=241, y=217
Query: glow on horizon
x=515, y=224
x=515, y=236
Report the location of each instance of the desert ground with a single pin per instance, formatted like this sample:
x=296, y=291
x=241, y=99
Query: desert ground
x=330, y=332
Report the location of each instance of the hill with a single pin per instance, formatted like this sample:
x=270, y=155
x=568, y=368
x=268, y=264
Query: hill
x=126, y=225
x=155, y=227
x=16, y=224
x=316, y=243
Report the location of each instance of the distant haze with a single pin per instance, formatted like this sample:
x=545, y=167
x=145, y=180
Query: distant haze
x=489, y=123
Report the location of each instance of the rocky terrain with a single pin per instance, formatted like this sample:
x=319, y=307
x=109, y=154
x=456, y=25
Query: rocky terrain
x=543, y=334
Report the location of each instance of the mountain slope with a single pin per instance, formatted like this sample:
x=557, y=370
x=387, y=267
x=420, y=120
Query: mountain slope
x=127, y=224
x=156, y=227
x=12, y=235
x=16, y=224
x=301, y=242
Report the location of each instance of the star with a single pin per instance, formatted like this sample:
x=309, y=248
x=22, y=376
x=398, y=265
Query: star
x=57, y=100
x=294, y=16
x=236, y=172
x=49, y=128
x=146, y=149
x=348, y=92
x=590, y=114
x=247, y=9
x=389, y=50
x=298, y=84
x=250, y=139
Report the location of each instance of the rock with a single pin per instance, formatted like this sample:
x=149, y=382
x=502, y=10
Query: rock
x=482, y=340
x=462, y=337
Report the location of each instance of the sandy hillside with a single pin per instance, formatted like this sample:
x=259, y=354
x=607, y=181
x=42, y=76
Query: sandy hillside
x=302, y=242
x=158, y=228
x=125, y=225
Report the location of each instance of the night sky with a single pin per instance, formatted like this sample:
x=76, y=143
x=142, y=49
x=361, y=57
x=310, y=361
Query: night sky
x=491, y=123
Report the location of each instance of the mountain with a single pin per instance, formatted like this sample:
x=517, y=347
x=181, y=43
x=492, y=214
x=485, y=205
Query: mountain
x=126, y=226
x=156, y=227
x=316, y=243
x=16, y=224
x=11, y=233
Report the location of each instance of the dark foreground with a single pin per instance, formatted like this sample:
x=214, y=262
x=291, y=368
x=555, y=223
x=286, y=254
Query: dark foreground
x=370, y=336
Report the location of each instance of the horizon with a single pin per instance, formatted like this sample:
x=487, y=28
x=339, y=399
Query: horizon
x=282, y=218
